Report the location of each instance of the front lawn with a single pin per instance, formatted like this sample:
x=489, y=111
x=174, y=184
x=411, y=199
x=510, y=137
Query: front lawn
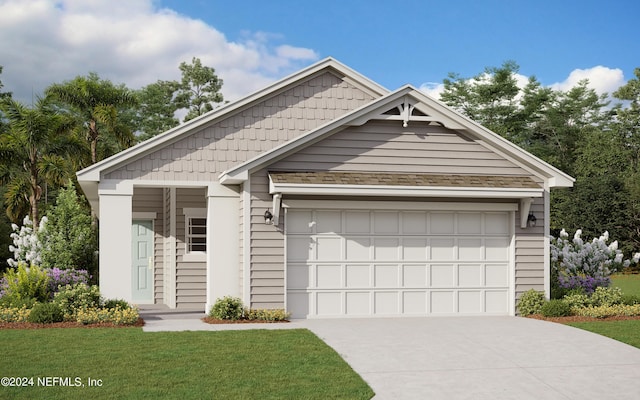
x=623, y=331
x=629, y=283
x=128, y=363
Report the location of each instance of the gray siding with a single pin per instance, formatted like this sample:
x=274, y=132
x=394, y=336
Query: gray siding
x=385, y=146
x=150, y=200
x=267, y=249
x=529, y=252
x=190, y=276
x=204, y=154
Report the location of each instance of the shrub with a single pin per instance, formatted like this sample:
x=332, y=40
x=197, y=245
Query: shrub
x=73, y=298
x=228, y=307
x=46, y=313
x=13, y=302
x=14, y=314
x=116, y=303
x=606, y=296
x=555, y=308
x=531, y=302
x=617, y=310
x=576, y=300
x=62, y=277
x=268, y=315
x=115, y=315
x=26, y=247
x=26, y=283
x=630, y=299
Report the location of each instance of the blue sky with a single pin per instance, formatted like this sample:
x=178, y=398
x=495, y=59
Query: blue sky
x=253, y=43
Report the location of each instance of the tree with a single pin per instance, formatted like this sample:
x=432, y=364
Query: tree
x=70, y=240
x=97, y=104
x=36, y=149
x=3, y=95
x=199, y=88
x=157, y=107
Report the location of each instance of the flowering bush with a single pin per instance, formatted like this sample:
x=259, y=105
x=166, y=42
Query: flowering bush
x=267, y=315
x=74, y=298
x=117, y=315
x=616, y=310
x=14, y=314
x=228, y=307
x=531, y=302
x=588, y=265
x=26, y=246
x=63, y=277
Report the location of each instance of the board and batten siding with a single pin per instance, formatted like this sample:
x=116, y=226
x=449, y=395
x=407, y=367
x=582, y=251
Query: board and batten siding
x=190, y=276
x=207, y=152
x=267, y=273
x=151, y=200
x=385, y=146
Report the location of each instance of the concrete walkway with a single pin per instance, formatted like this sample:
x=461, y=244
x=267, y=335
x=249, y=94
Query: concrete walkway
x=464, y=357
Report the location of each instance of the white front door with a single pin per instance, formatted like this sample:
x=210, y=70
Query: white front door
x=397, y=263
x=142, y=261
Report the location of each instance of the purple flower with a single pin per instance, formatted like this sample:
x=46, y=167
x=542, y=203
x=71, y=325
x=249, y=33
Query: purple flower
x=61, y=277
x=588, y=283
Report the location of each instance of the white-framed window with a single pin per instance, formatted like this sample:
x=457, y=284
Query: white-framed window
x=195, y=234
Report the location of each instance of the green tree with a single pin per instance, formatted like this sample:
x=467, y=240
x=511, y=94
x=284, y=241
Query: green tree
x=36, y=149
x=97, y=103
x=70, y=239
x=157, y=107
x=199, y=88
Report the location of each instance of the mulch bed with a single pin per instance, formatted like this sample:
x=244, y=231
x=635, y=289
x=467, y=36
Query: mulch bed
x=29, y=325
x=210, y=320
x=573, y=318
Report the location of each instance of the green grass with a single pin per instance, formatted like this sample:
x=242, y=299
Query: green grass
x=630, y=284
x=624, y=331
x=257, y=364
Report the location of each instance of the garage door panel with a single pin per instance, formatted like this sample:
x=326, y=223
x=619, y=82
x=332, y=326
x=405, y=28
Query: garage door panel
x=386, y=276
x=442, y=275
x=443, y=249
x=470, y=275
x=414, y=276
x=328, y=276
x=384, y=263
x=386, y=249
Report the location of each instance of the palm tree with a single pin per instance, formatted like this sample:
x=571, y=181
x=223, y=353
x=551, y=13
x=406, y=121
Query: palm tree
x=36, y=149
x=96, y=102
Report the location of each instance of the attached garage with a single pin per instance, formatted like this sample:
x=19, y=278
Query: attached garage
x=402, y=259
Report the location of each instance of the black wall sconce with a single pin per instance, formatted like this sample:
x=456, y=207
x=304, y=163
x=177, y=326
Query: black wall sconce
x=531, y=220
x=268, y=217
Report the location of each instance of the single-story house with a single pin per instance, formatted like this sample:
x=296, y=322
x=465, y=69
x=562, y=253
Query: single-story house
x=329, y=196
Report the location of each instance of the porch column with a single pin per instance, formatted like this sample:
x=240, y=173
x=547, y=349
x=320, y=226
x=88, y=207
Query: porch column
x=223, y=243
x=115, y=240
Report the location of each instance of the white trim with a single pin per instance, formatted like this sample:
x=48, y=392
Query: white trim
x=525, y=208
x=144, y=215
x=193, y=256
x=398, y=205
x=173, y=263
x=547, y=244
x=246, y=242
x=512, y=265
x=395, y=191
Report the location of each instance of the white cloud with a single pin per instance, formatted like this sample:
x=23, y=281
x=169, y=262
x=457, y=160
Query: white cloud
x=435, y=89
x=132, y=42
x=601, y=79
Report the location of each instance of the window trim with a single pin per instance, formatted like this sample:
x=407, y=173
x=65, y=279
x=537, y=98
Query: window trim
x=189, y=214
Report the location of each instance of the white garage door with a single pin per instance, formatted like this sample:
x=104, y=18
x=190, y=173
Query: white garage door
x=395, y=263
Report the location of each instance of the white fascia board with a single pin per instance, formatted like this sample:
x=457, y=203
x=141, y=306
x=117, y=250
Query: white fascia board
x=403, y=191
x=398, y=205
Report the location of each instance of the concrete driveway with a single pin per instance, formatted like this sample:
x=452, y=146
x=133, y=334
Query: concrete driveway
x=482, y=358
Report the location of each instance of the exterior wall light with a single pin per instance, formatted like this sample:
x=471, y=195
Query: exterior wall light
x=531, y=220
x=268, y=217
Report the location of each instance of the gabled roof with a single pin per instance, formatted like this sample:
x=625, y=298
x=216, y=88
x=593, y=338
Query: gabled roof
x=411, y=105
x=92, y=173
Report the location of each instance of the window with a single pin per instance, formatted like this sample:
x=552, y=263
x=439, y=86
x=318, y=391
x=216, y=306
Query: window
x=195, y=227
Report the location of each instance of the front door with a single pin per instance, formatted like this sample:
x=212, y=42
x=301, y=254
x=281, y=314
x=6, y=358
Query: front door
x=142, y=261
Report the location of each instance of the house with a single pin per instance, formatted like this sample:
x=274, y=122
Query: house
x=330, y=196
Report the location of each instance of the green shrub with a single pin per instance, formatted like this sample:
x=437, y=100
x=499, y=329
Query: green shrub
x=555, y=308
x=606, y=296
x=14, y=302
x=617, y=310
x=268, y=315
x=45, y=313
x=26, y=283
x=577, y=300
x=114, y=315
x=116, y=303
x=228, y=307
x=14, y=314
x=630, y=299
x=530, y=302
x=76, y=297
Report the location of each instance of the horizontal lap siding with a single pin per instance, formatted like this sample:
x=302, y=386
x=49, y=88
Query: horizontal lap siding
x=385, y=146
x=267, y=249
x=530, y=252
x=150, y=200
x=203, y=155
x=190, y=276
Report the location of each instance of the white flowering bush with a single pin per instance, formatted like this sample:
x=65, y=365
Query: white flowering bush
x=27, y=246
x=582, y=264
